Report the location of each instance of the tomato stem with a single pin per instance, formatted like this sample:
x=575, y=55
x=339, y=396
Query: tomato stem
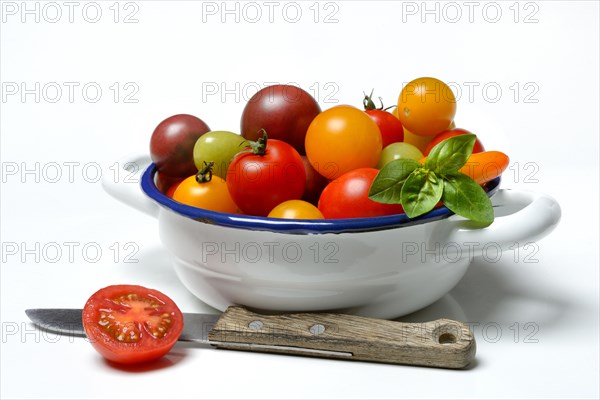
x=205, y=174
x=369, y=104
x=260, y=146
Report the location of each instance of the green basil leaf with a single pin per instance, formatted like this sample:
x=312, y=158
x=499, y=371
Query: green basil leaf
x=450, y=155
x=465, y=197
x=421, y=192
x=387, y=185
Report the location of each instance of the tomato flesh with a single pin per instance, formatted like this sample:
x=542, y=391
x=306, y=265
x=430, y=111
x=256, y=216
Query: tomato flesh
x=131, y=324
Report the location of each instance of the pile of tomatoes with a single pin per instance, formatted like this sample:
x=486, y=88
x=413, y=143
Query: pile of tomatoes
x=293, y=160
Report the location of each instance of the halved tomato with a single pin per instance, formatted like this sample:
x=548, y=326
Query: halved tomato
x=130, y=324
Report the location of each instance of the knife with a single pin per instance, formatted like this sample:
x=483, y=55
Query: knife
x=441, y=343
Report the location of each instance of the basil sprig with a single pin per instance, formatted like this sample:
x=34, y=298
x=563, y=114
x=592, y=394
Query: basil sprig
x=419, y=187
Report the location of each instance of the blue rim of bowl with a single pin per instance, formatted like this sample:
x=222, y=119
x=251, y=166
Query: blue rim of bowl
x=293, y=226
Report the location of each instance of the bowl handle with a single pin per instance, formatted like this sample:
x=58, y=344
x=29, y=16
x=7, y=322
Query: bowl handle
x=521, y=217
x=122, y=181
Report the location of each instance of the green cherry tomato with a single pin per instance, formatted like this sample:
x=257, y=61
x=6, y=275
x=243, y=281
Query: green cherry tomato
x=219, y=147
x=398, y=150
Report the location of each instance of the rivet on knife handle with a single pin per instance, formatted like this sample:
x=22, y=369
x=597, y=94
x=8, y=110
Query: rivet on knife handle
x=442, y=343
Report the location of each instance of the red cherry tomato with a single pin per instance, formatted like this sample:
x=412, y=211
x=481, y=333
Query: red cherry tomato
x=315, y=183
x=130, y=324
x=348, y=197
x=390, y=127
x=172, y=144
x=259, y=182
x=477, y=148
x=171, y=191
x=165, y=182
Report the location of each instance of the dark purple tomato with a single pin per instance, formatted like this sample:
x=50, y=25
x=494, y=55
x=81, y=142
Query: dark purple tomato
x=283, y=111
x=172, y=144
x=315, y=183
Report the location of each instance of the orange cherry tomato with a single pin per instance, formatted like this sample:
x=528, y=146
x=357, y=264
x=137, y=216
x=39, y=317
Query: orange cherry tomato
x=212, y=195
x=426, y=106
x=485, y=166
x=341, y=139
x=296, y=209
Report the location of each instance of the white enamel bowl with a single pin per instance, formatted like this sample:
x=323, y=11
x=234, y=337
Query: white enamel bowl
x=382, y=267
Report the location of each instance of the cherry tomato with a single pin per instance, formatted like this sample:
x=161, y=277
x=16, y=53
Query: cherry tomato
x=212, y=195
x=171, y=191
x=485, y=166
x=399, y=150
x=426, y=106
x=477, y=148
x=172, y=144
x=130, y=324
x=341, y=139
x=165, y=182
x=219, y=147
x=284, y=111
x=260, y=180
x=315, y=183
x=295, y=209
x=348, y=197
x=390, y=127
x=420, y=142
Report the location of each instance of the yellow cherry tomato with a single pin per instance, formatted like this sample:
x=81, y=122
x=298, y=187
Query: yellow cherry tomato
x=426, y=106
x=296, y=209
x=212, y=195
x=341, y=139
x=420, y=142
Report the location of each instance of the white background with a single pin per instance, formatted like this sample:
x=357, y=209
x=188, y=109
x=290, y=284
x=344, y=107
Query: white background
x=537, y=310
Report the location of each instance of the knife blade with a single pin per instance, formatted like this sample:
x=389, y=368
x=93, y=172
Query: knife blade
x=441, y=343
x=67, y=322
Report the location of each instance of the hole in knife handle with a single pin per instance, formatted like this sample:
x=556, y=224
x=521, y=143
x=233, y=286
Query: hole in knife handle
x=447, y=334
x=446, y=338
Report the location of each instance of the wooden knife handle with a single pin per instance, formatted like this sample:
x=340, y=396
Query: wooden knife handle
x=442, y=343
